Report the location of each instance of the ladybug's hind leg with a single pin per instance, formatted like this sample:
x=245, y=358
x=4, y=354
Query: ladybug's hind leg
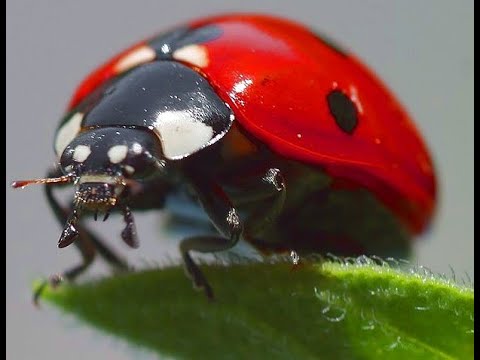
x=227, y=221
x=87, y=243
x=271, y=188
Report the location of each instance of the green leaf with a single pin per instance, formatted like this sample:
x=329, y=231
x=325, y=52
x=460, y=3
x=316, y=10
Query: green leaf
x=327, y=310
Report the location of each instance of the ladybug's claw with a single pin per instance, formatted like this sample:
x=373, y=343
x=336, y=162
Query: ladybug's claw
x=53, y=281
x=197, y=277
x=38, y=292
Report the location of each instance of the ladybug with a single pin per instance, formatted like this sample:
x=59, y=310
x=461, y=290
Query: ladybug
x=283, y=139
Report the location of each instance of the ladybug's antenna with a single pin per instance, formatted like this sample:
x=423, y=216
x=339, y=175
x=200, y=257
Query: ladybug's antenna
x=60, y=179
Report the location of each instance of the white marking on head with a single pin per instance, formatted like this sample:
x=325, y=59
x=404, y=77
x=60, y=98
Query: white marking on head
x=193, y=54
x=137, y=148
x=117, y=153
x=129, y=169
x=137, y=56
x=181, y=134
x=81, y=153
x=68, y=132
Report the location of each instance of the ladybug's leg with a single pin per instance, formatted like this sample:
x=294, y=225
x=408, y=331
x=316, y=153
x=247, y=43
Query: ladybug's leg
x=270, y=186
x=85, y=237
x=225, y=218
x=86, y=242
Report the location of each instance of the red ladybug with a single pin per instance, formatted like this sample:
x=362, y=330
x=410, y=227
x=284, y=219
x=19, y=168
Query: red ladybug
x=284, y=140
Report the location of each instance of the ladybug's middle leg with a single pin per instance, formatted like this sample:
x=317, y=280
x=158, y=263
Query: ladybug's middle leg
x=224, y=217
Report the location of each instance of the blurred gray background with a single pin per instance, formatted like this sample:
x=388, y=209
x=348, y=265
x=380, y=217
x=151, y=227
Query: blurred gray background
x=422, y=49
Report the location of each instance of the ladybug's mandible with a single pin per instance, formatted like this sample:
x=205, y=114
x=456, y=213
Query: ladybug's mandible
x=283, y=139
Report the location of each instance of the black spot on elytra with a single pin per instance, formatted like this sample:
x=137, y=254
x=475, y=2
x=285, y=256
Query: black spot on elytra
x=343, y=110
x=165, y=44
x=200, y=35
x=331, y=44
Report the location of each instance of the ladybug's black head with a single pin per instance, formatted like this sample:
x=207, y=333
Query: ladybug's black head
x=106, y=163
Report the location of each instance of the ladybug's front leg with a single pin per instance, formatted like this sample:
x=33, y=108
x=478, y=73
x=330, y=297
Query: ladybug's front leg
x=87, y=243
x=225, y=218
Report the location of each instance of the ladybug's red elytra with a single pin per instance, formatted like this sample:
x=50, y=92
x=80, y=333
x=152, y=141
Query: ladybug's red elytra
x=282, y=138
